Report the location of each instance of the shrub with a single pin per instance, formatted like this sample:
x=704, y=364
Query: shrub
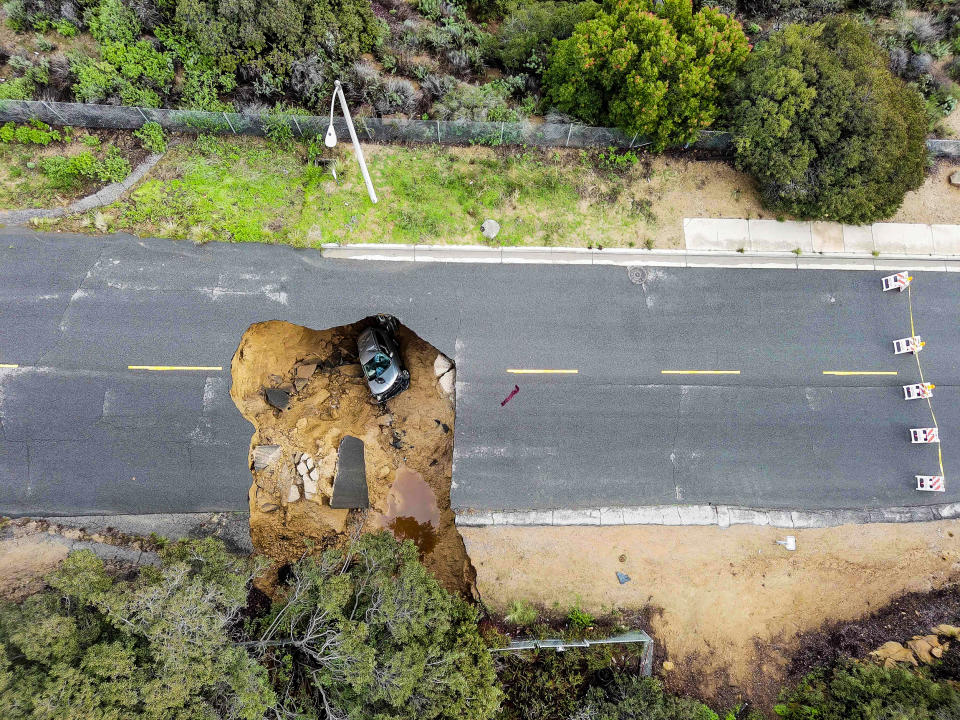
x=33, y=133
x=396, y=96
x=151, y=136
x=481, y=103
x=310, y=80
x=650, y=67
x=521, y=613
x=856, y=691
x=526, y=33
x=818, y=145
x=545, y=684
x=363, y=82
x=65, y=173
x=155, y=647
x=634, y=697
x=578, y=619
x=367, y=632
x=435, y=87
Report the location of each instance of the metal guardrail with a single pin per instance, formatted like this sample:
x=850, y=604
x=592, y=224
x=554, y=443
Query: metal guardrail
x=561, y=645
x=383, y=130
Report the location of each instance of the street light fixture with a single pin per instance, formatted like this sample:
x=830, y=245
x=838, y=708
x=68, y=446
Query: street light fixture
x=330, y=139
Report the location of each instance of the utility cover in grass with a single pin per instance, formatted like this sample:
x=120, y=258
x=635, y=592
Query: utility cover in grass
x=350, y=485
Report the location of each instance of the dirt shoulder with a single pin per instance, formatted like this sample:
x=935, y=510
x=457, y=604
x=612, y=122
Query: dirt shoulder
x=733, y=605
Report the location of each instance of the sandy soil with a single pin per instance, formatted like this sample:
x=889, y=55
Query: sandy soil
x=732, y=602
x=413, y=430
x=24, y=562
x=680, y=187
x=937, y=201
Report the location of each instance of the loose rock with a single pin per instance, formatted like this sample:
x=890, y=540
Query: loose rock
x=306, y=371
x=448, y=382
x=893, y=652
x=265, y=455
x=278, y=398
x=955, y=178
x=441, y=365
x=293, y=494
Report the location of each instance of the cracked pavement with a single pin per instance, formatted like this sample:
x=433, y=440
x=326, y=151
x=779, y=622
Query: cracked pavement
x=83, y=434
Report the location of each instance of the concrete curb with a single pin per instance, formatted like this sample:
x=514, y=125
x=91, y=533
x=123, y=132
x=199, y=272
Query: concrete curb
x=104, y=551
x=104, y=196
x=720, y=515
x=647, y=258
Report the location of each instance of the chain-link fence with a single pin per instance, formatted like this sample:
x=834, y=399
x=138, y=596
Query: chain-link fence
x=369, y=129
x=380, y=130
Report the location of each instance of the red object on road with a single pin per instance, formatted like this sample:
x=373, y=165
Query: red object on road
x=516, y=389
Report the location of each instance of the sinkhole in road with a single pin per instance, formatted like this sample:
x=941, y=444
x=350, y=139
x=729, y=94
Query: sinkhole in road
x=316, y=377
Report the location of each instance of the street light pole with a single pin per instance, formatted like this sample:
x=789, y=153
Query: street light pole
x=331, y=138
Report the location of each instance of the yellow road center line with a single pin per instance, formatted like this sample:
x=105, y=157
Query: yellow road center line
x=8, y=365
x=859, y=372
x=173, y=367
x=699, y=372
x=516, y=371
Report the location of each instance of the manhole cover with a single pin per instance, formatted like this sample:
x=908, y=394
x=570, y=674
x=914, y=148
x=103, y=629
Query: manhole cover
x=636, y=274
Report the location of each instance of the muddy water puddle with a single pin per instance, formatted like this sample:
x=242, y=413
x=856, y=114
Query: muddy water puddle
x=412, y=512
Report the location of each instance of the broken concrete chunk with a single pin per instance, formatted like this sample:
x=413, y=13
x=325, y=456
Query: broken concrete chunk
x=309, y=461
x=302, y=468
x=350, y=484
x=278, y=398
x=293, y=494
x=955, y=178
x=306, y=371
x=441, y=365
x=265, y=455
x=448, y=382
x=314, y=475
x=309, y=488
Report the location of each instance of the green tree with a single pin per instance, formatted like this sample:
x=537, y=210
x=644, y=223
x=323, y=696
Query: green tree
x=861, y=691
x=367, y=632
x=155, y=648
x=526, y=33
x=652, y=67
x=824, y=127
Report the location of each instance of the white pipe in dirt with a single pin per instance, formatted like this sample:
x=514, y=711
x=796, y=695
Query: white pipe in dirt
x=338, y=91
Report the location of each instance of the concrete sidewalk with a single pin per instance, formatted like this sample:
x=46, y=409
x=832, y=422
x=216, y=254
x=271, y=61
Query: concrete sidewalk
x=764, y=236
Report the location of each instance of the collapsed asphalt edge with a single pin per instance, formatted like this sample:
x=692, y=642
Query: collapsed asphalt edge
x=720, y=515
x=627, y=257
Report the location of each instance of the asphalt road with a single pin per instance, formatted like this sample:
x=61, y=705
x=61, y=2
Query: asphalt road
x=81, y=433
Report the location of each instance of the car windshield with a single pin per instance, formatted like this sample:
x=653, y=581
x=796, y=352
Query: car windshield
x=376, y=365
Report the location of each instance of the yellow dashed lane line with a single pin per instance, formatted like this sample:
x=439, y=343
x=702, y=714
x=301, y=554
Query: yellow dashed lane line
x=517, y=371
x=173, y=367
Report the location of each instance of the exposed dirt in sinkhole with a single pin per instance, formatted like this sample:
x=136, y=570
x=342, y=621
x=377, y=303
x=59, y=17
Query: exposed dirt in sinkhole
x=408, y=445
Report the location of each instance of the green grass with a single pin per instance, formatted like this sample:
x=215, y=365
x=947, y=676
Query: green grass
x=251, y=190
x=24, y=185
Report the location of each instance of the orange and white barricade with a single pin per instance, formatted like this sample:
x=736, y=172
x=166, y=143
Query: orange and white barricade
x=908, y=345
x=918, y=391
x=924, y=435
x=930, y=483
x=898, y=281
